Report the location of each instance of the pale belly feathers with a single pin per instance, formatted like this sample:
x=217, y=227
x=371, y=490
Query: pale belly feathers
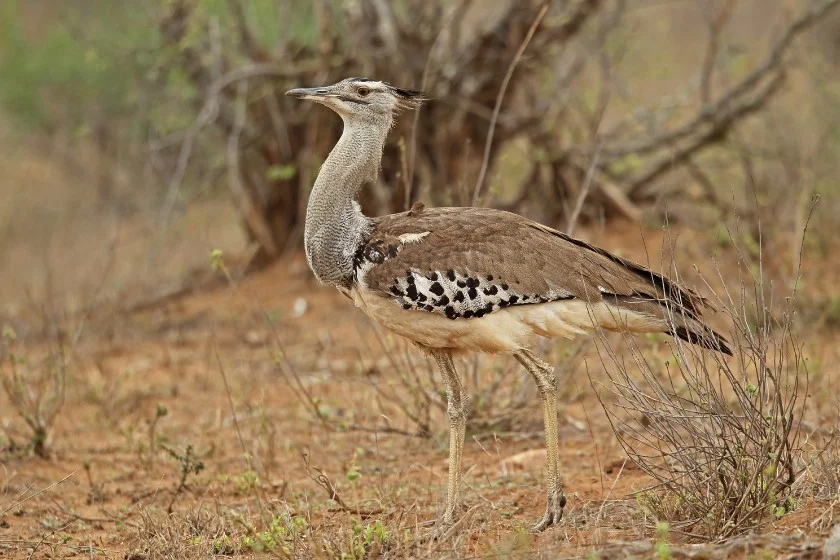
x=503, y=331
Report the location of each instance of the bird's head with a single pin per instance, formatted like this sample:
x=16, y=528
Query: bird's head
x=361, y=99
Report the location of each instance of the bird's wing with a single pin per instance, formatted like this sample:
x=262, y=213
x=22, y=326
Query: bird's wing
x=466, y=262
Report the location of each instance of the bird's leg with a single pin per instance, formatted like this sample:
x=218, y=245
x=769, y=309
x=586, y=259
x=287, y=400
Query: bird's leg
x=457, y=406
x=546, y=380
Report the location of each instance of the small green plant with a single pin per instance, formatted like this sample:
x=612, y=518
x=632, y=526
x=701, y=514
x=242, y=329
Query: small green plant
x=190, y=465
x=367, y=541
x=280, y=535
x=223, y=546
x=9, y=334
x=663, y=549
x=217, y=261
x=353, y=473
x=246, y=481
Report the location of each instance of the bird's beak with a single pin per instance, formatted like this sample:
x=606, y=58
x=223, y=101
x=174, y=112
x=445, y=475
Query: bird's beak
x=309, y=93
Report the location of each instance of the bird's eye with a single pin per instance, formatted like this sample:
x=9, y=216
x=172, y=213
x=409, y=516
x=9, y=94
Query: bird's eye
x=363, y=91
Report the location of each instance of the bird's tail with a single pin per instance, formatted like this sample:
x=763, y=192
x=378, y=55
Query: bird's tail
x=672, y=318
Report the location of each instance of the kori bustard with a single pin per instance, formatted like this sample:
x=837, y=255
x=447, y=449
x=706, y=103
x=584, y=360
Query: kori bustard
x=456, y=280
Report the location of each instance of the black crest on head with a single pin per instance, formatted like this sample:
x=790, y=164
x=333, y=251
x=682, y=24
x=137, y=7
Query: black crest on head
x=409, y=98
x=409, y=93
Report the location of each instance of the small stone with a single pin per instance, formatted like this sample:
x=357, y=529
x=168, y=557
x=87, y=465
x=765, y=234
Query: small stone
x=299, y=307
x=254, y=338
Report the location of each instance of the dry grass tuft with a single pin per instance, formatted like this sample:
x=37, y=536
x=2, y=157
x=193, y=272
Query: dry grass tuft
x=196, y=533
x=721, y=436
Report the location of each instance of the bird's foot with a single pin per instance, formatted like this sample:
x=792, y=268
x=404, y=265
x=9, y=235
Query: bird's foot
x=450, y=525
x=553, y=512
x=442, y=530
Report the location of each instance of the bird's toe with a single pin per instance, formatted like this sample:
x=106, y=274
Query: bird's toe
x=553, y=513
x=442, y=530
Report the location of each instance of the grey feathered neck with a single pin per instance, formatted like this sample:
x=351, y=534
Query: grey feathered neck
x=335, y=226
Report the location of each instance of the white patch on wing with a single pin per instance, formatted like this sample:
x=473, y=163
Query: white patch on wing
x=407, y=238
x=558, y=293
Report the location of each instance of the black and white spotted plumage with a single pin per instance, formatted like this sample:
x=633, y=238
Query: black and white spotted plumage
x=457, y=295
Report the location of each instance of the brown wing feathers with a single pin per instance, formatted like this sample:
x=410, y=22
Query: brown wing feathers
x=687, y=299
x=473, y=261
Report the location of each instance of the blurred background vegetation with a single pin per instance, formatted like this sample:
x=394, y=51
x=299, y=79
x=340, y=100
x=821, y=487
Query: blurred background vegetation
x=136, y=137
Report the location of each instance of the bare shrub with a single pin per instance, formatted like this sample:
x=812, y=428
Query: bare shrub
x=35, y=385
x=819, y=481
x=825, y=470
x=719, y=435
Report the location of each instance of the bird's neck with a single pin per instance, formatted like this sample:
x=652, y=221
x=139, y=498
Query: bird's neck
x=335, y=225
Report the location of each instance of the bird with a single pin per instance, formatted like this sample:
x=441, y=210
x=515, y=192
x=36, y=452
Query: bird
x=460, y=280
